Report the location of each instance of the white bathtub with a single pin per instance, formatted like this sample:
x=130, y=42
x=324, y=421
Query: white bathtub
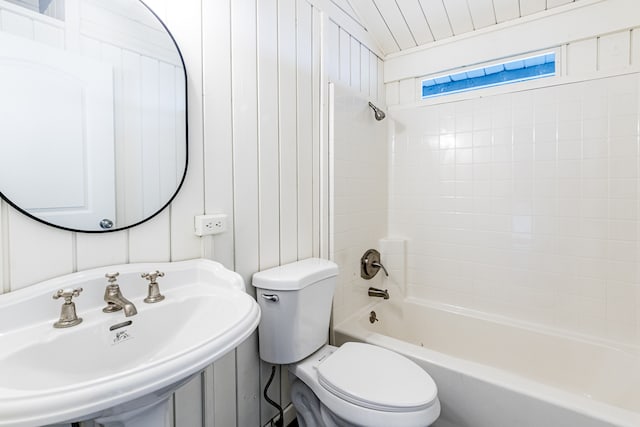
x=491, y=373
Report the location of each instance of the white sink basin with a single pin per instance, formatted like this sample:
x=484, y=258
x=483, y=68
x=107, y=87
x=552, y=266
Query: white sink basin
x=88, y=371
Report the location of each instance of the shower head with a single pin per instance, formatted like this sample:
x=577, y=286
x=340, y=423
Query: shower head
x=377, y=112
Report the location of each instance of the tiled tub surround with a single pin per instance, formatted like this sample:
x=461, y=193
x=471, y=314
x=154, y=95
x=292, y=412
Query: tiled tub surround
x=525, y=204
x=494, y=372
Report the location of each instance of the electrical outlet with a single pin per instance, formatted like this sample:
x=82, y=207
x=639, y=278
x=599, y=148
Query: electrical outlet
x=210, y=224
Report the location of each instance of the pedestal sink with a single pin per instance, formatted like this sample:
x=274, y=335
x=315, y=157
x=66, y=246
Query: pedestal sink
x=105, y=369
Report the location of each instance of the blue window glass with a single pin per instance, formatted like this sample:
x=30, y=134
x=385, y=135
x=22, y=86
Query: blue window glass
x=497, y=74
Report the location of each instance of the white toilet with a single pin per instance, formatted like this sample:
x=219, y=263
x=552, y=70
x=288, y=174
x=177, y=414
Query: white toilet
x=353, y=385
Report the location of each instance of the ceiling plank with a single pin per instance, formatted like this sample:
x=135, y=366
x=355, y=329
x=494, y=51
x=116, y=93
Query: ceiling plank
x=529, y=7
x=416, y=21
x=437, y=18
x=376, y=25
x=459, y=16
x=482, y=13
x=506, y=9
x=396, y=23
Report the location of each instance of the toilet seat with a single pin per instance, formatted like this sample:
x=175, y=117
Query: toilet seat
x=376, y=378
x=380, y=408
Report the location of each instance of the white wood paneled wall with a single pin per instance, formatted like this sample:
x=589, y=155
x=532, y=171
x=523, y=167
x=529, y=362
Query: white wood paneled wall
x=258, y=73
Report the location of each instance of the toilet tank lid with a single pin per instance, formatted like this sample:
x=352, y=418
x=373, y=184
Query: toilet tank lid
x=296, y=275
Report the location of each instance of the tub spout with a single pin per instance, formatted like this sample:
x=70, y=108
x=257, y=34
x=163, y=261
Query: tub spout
x=375, y=292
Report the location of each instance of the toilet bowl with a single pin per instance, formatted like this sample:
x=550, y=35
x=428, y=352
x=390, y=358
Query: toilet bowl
x=363, y=385
x=353, y=385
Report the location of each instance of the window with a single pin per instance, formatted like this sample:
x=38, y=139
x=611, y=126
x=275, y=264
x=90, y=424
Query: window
x=534, y=67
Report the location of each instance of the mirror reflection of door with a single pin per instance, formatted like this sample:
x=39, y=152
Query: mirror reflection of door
x=56, y=138
x=93, y=112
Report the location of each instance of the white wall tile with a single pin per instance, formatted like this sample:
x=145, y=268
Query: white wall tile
x=553, y=211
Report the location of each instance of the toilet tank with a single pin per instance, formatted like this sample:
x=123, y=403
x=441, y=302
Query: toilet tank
x=295, y=300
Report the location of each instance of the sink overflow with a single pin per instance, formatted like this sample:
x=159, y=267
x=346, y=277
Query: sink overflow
x=120, y=325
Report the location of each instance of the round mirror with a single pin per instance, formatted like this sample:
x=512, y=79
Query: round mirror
x=93, y=126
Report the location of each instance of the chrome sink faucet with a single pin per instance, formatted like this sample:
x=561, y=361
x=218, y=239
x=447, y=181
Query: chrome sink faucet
x=114, y=299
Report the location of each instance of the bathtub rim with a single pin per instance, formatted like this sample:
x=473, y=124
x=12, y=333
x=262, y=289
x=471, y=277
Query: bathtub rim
x=351, y=327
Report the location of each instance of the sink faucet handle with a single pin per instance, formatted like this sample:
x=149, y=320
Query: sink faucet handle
x=112, y=277
x=68, y=316
x=152, y=276
x=154, y=290
x=67, y=294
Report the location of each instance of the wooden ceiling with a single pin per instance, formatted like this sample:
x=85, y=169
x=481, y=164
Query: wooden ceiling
x=403, y=24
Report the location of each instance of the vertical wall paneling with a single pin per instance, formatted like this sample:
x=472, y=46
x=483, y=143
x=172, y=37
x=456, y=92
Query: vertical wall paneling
x=131, y=153
x=245, y=168
x=224, y=391
x=150, y=165
x=151, y=241
x=248, y=391
x=373, y=76
x=267, y=411
x=287, y=79
x=113, y=55
x=218, y=150
x=318, y=78
x=96, y=250
x=354, y=63
x=169, y=129
x=364, y=70
x=344, y=57
x=189, y=202
x=245, y=123
x=258, y=151
x=29, y=263
x=188, y=404
x=380, y=89
x=416, y=21
x=331, y=46
x=268, y=133
x=305, y=103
